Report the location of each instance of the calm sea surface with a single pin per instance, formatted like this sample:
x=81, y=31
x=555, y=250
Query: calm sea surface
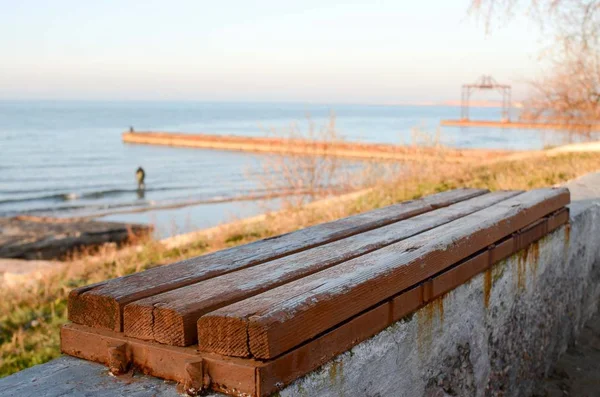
x=66, y=159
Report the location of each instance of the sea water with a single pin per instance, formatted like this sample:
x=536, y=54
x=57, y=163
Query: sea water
x=66, y=159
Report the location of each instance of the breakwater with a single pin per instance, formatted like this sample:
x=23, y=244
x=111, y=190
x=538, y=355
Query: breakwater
x=293, y=146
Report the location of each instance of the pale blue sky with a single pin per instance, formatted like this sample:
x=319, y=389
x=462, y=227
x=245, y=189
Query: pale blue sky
x=270, y=50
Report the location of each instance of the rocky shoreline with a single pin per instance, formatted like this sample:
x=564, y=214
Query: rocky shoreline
x=28, y=237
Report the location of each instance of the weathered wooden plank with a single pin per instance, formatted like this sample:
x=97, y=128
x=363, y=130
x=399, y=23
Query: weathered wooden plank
x=101, y=305
x=269, y=324
x=226, y=374
x=456, y=276
x=171, y=317
x=558, y=219
x=502, y=249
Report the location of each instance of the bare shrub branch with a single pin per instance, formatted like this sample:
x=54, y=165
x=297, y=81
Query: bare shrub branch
x=570, y=92
x=302, y=178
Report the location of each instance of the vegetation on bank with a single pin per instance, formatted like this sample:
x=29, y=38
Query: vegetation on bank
x=30, y=316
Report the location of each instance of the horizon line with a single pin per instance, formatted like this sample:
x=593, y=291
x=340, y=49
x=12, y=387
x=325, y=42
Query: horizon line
x=421, y=103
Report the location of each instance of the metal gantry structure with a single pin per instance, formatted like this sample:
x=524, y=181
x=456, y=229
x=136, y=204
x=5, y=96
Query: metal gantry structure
x=486, y=83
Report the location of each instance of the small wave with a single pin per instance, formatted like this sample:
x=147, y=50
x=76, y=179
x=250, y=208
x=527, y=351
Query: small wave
x=49, y=197
x=119, y=192
x=71, y=196
x=64, y=210
x=48, y=190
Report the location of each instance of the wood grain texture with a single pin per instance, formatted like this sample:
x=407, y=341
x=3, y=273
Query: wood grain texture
x=558, y=219
x=457, y=275
x=171, y=317
x=101, y=305
x=280, y=319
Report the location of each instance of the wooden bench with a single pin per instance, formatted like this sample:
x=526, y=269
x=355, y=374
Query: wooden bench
x=250, y=319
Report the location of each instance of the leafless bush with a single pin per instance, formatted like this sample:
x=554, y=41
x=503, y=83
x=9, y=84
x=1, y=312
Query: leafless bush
x=570, y=94
x=300, y=178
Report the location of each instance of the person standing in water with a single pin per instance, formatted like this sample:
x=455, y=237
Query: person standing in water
x=140, y=175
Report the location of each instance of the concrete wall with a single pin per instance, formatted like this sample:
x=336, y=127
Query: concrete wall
x=493, y=336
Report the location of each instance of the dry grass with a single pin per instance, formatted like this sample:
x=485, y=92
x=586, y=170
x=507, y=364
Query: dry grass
x=30, y=317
